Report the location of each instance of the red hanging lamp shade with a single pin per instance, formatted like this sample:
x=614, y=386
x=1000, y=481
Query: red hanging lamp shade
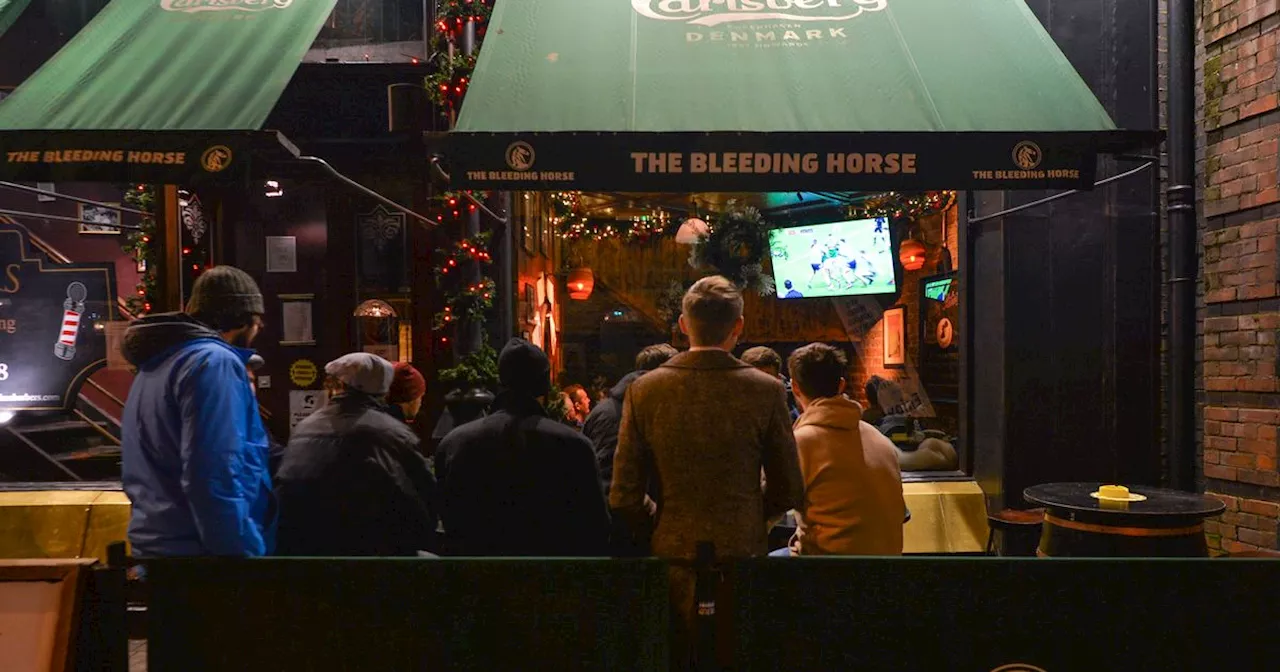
x=580, y=284
x=911, y=254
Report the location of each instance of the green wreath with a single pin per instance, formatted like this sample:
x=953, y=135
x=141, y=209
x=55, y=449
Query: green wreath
x=737, y=247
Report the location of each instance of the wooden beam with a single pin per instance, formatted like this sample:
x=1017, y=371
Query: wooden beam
x=169, y=274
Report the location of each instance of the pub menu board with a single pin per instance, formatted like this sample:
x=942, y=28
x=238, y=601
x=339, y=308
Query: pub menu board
x=51, y=319
x=939, y=340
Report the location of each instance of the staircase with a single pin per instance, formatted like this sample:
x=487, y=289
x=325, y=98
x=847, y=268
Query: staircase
x=79, y=446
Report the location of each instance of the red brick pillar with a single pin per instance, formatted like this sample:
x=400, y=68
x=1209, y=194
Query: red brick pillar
x=1239, y=129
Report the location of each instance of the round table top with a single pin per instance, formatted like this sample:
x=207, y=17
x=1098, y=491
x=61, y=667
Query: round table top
x=1159, y=502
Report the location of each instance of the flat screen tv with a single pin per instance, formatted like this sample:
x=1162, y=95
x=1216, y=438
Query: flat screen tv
x=837, y=259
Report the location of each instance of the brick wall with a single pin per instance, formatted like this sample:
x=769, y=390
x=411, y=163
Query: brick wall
x=1239, y=114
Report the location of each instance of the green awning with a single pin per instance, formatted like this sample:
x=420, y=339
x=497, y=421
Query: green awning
x=157, y=82
x=9, y=12
x=768, y=95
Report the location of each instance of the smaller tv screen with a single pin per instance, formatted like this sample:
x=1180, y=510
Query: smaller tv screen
x=937, y=289
x=837, y=259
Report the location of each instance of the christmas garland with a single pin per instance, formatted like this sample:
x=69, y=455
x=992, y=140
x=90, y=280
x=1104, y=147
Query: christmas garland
x=450, y=75
x=465, y=250
x=895, y=205
x=573, y=224
x=470, y=302
x=636, y=230
x=737, y=247
x=137, y=244
x=449, y=79
x=461, y=301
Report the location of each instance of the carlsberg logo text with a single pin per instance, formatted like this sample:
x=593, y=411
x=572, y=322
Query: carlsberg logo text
x=190, y=6
x=716, y=12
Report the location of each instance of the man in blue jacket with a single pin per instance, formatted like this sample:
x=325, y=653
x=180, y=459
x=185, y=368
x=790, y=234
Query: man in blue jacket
x=195, y=453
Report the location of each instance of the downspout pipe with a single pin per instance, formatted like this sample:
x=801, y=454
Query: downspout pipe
x=1181, y=208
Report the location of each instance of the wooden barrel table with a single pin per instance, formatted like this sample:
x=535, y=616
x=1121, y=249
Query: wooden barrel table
x=1164, y=524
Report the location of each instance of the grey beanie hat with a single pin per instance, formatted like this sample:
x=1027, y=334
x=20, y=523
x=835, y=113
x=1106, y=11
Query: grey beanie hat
x=362, y=371
x=225, y=290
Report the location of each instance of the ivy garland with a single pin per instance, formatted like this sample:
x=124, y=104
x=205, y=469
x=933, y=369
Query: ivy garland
x=476, y=370
x=554, y=404
x=137, y=244
x=737, y=247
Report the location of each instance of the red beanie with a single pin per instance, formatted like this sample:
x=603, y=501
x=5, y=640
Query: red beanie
x=406, y=385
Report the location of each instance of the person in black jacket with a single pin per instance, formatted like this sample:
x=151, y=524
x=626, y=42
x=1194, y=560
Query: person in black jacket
x=602, y=428
x=602, y=423
x=352, y=482
x=517, y=483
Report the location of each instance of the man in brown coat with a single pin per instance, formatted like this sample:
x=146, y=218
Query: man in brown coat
x=703, y=425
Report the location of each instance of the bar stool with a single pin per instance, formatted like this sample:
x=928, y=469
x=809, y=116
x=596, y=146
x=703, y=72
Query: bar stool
x=1019, y=532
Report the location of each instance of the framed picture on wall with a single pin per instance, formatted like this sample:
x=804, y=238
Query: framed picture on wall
x=895, y=338
x=96, y=219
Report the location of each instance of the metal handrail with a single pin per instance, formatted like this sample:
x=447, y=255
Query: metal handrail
x=96, y=427
x=104, y=392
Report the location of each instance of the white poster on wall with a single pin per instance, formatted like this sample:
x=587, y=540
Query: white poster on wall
x=302, y=403
x=282, y=254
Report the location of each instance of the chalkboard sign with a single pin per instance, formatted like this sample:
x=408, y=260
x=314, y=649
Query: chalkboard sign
x=51, y=326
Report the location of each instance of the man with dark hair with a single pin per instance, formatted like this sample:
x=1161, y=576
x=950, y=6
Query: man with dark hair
x=703, y=426
x=853, y=502
x=764, y=358
x=517, y=483
x=194, y=450
x=602, y=428
x=352, y=482
x=769, y=361
x=653, y=356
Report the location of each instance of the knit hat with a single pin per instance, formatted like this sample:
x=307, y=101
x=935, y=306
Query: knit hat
x=225, y=291
x=523, y=368
x=363, y=372
x=407, y=384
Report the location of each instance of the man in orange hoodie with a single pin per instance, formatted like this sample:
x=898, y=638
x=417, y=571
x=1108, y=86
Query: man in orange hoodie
x=853, y=502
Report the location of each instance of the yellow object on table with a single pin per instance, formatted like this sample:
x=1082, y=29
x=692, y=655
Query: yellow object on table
x=62, y=523
x=946, y=517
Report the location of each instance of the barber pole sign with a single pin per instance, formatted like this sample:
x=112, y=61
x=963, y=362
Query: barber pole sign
x=72, y=309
